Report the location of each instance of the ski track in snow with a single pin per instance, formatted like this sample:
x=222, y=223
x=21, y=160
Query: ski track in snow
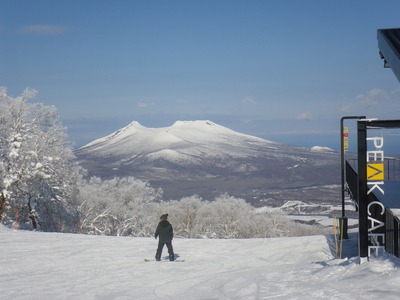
x=38, y=265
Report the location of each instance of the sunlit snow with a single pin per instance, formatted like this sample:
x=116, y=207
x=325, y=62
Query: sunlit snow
x=321, y=149
x=139, y=138
x=37, y=265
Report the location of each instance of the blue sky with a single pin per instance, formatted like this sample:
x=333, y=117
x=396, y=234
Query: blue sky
x=282, y=70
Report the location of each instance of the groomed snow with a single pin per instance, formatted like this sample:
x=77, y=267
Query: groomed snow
x=38, y=265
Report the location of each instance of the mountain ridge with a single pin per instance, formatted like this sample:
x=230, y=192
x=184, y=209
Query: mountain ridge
x=179, y=131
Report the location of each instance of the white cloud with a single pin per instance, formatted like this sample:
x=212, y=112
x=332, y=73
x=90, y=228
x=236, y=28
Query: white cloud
x=372, y=97
x=144, y=104
x=305, y=116
x=42, y=30
x=248, y=100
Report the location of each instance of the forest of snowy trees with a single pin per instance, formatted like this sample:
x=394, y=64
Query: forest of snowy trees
x=42, y=187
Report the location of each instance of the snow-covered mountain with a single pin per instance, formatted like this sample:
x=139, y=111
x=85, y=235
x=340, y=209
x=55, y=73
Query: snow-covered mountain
x=204, y=158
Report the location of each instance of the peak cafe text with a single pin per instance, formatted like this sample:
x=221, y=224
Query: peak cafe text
x=375, y=183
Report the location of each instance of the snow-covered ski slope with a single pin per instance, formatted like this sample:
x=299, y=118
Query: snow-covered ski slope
x=38, y=265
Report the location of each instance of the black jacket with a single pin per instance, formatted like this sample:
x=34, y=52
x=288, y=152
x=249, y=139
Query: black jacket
x=164, y=231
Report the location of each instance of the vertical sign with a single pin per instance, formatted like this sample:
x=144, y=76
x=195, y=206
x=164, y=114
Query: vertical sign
x=375, y=182
x=371, y=181
x=345, y=139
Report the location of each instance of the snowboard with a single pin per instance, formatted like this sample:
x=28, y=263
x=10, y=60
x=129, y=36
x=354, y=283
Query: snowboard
x=164, y=260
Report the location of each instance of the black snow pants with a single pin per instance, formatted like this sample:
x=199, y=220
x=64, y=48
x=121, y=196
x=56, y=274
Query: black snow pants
x=160, y=248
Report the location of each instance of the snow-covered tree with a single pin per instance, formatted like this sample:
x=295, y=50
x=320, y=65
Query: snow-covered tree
x=119, y=206
x=38, y=179
x=227, y=217
x=186, y=215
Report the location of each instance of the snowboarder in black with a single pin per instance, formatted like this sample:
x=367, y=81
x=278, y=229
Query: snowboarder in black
x=165, y=234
